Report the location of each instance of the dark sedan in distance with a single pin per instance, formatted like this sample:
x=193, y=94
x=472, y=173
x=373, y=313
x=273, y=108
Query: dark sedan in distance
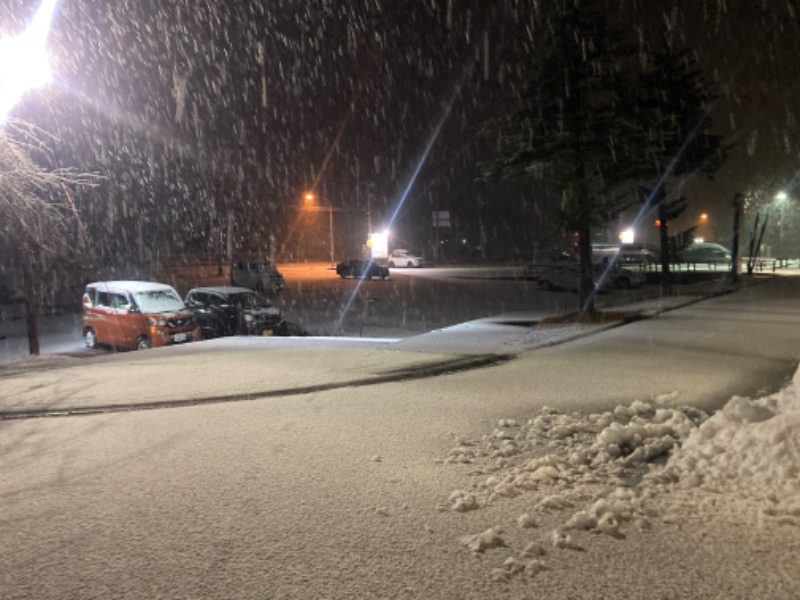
x=361, y=269
x=708, y=253
x=225, y=310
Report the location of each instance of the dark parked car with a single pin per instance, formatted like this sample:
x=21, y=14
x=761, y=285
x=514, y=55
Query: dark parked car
x=224, y=310
x=361, y=269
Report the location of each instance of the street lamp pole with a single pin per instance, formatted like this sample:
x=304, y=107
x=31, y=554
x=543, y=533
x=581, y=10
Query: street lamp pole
x=369, y=215
x=310, y=197
x=330, y=227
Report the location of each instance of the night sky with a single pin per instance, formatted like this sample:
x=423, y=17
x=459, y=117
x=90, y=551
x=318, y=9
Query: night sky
x=195, y=110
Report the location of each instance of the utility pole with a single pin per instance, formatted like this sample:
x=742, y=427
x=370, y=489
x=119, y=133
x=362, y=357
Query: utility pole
x=330, y=229
x=738, y=201
x=310, y=197
x=663, y=232
x=369, y=213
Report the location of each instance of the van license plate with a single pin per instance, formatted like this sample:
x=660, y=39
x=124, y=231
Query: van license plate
x=179, y=337
x=267, y=332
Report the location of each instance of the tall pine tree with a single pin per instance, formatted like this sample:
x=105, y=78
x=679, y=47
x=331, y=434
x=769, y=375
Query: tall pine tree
x=565, y=125
x=671, y=137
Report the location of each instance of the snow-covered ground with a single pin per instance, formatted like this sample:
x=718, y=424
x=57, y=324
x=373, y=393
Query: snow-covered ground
x=614, y=466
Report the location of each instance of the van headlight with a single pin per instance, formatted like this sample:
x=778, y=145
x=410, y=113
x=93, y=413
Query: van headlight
x=159, y=322
x=249, y=318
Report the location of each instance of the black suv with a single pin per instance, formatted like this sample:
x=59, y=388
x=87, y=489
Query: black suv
x=361, y=269
x=224, y=310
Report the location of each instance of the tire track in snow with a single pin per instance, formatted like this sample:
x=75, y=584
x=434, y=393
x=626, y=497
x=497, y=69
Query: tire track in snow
x=437, y=369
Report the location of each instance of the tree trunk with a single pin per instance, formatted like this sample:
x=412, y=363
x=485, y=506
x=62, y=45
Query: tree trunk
x=30, y=302
x=751, y=255
x=761, y=233
x=586, y=270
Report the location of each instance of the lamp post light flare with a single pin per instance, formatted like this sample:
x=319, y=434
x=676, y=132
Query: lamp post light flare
x=23, y=59
x=780, y=199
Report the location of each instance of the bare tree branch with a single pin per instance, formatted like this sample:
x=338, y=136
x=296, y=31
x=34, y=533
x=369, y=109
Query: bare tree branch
x=34, y=209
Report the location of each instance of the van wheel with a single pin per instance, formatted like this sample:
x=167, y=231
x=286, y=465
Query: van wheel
x=90, y=337
x=390, y=265
x=142, y=343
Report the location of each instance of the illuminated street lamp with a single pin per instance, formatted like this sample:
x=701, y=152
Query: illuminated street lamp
x=704, y=230
x=310, y=198
x=23, y=60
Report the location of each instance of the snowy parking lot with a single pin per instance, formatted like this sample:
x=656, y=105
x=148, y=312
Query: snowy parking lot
x=654, y=460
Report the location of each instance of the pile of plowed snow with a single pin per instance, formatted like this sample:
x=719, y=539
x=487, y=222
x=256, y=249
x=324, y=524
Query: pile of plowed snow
x=604, y=472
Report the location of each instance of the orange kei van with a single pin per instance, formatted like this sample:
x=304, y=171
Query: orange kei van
x=135, y=315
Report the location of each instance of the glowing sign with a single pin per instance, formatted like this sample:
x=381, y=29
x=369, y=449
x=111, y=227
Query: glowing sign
x=379, y=244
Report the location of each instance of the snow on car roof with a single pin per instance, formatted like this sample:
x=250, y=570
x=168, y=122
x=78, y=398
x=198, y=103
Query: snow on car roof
x=222, y=289
x=132, y=286
x=705, y=245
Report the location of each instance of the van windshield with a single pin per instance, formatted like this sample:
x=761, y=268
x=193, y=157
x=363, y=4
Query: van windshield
x=156, y=301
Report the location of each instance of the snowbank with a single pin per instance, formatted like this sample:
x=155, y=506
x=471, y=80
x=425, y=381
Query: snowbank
x=750, y=446
x=608, y=471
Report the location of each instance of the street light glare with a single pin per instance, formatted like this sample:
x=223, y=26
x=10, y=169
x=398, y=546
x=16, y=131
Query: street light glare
x=781, y=196
x=23, y=59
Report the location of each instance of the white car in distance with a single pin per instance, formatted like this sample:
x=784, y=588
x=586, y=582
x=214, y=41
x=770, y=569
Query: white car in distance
x=403, y=258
